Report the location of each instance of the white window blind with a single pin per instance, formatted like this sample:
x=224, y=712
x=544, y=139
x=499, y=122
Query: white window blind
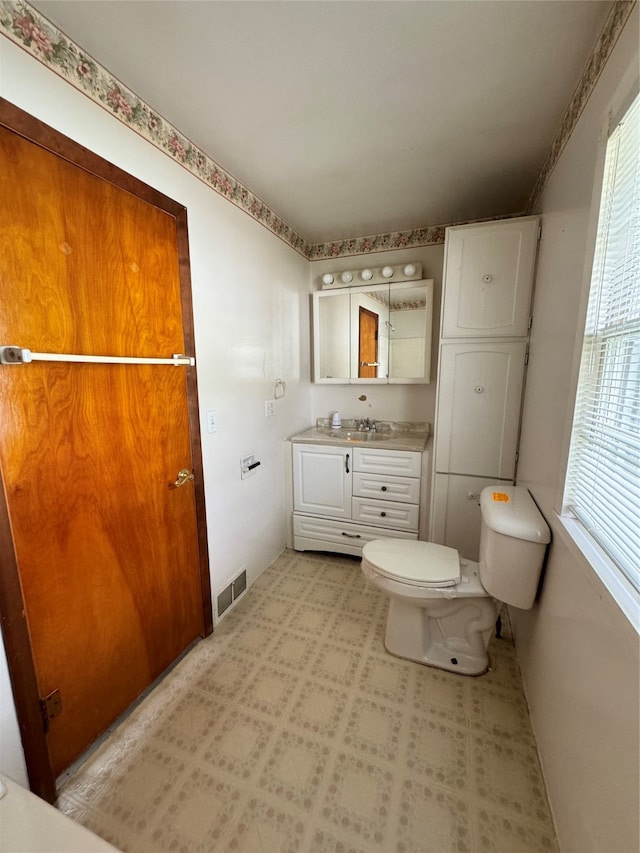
x=603, y=478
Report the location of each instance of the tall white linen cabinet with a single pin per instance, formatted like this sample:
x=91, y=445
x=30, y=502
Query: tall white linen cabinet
x=486, y=316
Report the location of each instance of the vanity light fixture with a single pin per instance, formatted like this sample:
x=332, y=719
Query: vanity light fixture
x=369, y=276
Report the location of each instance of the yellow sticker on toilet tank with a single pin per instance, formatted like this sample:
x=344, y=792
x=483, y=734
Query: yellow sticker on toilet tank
x=501, y=496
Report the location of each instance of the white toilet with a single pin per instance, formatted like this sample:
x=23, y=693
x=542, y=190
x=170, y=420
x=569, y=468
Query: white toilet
x=443, y=608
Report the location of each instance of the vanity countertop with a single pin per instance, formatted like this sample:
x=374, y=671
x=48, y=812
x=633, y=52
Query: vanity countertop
x=389, y=435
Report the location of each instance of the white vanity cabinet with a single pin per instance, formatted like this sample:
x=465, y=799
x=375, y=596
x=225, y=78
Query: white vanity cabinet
x=487, y=287
x=344, y=497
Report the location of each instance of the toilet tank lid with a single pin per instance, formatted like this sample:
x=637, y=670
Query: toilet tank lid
x=511, y=510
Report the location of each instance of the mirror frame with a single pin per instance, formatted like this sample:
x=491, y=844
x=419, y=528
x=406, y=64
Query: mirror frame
x=351, y=322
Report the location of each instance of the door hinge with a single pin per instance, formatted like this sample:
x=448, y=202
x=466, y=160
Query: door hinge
x=529, y=323
x=50, y=707
x=539, y=231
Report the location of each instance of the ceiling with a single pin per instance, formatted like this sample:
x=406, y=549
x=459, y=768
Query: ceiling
x=354, y=118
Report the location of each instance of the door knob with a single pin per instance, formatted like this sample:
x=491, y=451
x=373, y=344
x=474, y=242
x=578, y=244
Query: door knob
x=183, y=476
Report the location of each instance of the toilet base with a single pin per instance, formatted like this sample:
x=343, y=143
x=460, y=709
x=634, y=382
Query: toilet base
x=451, y=634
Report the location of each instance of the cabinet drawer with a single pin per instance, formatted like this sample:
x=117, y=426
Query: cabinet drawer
x=385, y=513
x=383, y=487
x=341, y=537
x=403, y=463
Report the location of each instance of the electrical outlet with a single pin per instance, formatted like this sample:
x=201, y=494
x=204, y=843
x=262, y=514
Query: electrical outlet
x=268, y=408
x=212, y=421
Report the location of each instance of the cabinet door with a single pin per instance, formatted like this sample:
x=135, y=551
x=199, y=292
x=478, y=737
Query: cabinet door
x=331, y=337
x=410, y=322
x=322, y=480
x=455, y=516
x=488, y=278
x=478, y=413
x=373, y=334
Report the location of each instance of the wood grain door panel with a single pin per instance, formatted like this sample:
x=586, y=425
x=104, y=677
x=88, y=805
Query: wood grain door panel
x=367, y=344
x=108, y=550
x=105, y=547
x=102, y=273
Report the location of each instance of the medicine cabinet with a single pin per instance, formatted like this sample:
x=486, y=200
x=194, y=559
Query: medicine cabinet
x=376, y=334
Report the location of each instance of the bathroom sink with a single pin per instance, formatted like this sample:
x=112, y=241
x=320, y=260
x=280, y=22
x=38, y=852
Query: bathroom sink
x=361, y=435
x=393, y=439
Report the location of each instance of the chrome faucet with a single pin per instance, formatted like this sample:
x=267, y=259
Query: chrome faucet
x=367, y=425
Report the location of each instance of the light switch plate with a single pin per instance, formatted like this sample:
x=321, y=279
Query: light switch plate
x=268, y=408
x=212, y=421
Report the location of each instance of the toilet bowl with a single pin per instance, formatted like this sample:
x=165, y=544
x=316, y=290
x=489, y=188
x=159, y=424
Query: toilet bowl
x=443, y=608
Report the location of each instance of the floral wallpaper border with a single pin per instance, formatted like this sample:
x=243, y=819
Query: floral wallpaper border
x=597, y=61
x=26, y=27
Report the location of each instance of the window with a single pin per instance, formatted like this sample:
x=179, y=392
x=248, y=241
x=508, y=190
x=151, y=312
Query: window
x=602, y=489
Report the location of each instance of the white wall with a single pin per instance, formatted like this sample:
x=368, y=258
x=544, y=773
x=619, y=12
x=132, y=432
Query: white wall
x=578, y=652
x=383, y=402
x=251, y=309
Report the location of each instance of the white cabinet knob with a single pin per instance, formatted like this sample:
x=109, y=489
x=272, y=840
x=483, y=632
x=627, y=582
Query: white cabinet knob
x=487, y=279
x=479, y=389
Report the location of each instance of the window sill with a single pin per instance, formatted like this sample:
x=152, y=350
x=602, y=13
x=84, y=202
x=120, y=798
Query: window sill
x=583, y=546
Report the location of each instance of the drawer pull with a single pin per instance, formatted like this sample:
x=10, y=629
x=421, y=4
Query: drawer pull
x=383, y=488
x=351, y=535
x=383, y=514
x=346, y=463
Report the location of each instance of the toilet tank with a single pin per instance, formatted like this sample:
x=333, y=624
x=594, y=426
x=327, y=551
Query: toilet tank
x=513, y=540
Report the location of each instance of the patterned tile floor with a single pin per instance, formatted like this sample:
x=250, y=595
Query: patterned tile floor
x=291, y=729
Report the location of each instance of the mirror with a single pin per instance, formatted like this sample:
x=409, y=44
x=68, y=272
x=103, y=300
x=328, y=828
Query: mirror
x=331, y=336
x=369, y=333
x=376, y=334
x=411, y=317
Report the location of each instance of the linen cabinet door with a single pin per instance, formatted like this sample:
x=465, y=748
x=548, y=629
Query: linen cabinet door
x=322, y=480
x=489, y=278
x=478, y=413
x=456, y=517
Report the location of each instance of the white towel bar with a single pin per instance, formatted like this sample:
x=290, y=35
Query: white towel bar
x=22, y=355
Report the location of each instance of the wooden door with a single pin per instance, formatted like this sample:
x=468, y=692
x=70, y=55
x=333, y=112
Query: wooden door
x=368, y=344
x=109, y=552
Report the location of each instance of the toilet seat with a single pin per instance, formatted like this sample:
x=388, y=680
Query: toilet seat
x=421, y=564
